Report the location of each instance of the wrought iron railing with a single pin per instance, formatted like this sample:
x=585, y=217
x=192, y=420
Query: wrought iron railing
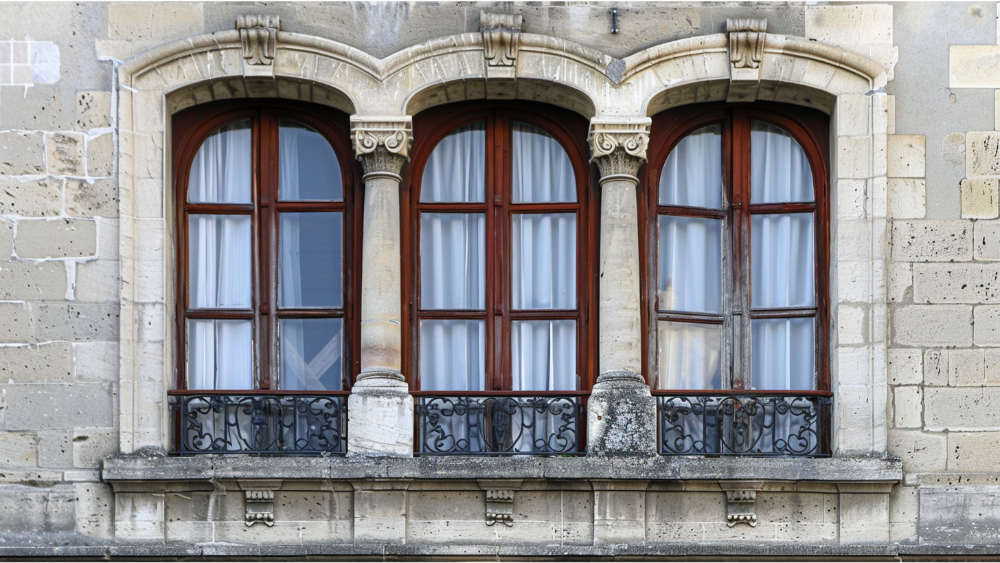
x=509, y=423
x=226, y=422
x=747, y=423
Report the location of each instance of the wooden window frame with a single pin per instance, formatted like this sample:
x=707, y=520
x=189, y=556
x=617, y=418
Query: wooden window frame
x=570, y=129
x=190, y=129
x=810, y=128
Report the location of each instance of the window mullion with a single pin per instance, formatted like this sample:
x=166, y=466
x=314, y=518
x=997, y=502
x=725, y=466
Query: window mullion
x=267, y=270
x=739, y=147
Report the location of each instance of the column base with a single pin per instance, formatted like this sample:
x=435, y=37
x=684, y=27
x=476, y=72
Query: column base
x=621, y=416
x=380, y=416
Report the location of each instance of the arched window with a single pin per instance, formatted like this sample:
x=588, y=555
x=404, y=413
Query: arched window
x=501, y=245
x=264, y=248
x=739, y=229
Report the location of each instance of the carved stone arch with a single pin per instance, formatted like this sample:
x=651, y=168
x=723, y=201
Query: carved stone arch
x=527, y=89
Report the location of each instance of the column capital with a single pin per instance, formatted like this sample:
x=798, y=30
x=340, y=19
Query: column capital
x=618, y=147
x=382, y=144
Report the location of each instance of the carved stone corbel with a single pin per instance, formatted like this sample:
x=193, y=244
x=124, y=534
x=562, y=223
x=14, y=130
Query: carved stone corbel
x=500, y=500
x=382, y=144
x=746, y=50
x=741, y=502
x=260, y=501
x=500, y=41
x=259, y=39
x=618, y=147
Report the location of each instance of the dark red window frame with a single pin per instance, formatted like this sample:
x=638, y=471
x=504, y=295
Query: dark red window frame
x=570, y=129
x=810, y=128
x=190, y=129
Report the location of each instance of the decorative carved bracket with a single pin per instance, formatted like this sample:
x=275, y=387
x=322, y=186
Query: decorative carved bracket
x=259, y=35
x=741, y=502
x=500, y=500
x=260, y=507
x=500, y=38
x=746, y=50
x=382, y=144
x=618, y=147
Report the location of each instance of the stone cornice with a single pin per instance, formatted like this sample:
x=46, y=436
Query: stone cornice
x=382, y=144
x=618, y=147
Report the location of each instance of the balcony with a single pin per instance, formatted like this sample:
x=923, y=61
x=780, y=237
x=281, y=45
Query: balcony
x=744, y=423
x=507, y=423
x=285, y=423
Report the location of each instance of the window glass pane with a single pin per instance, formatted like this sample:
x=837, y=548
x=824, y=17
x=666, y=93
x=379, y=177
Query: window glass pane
x=308, y=169
x=220, y=354
x=780, y=171
x=783, y=253
x=690, y=355
x=452, y=355
x=541, y=169
x=221, y=170
x=456, y=169
x=452, y=261
x=544, y=261
x=543, y=355
x=783, y=354
x=220, y=261
x=692, y=175
x=311, y=260
x=311, y=354
x=690, y=269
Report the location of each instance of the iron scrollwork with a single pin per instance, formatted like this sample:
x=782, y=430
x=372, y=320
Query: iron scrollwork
x=500, y=425
x=744, y=424
x=259, y=423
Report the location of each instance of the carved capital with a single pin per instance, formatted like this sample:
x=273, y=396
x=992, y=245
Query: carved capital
x=500, y=500
x=619, y=147
x=260, y=507
x=259, y=36
x=746, y=42
x=741, y=502
x=382, y=144
x=500, y=37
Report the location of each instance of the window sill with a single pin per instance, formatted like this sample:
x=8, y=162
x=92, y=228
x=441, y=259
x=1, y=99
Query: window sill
x=156, y=467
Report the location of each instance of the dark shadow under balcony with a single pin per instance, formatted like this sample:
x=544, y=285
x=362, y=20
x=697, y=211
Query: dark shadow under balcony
x=745, y=423
x=264, y=423
x=502, y=423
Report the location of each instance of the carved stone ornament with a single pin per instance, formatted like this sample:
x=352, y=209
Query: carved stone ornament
x=500, y=37
x=500, y=500
x=619, y=147
x=746, y=42
x=741, y=508
x=259, y=35
x=381, y=144
x=260, y=507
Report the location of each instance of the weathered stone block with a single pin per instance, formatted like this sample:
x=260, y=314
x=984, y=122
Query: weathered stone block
x=981, y=149
x=903, y=513
x=93, y=110
x=920, y=452
x=56, y=238
x=956, y=283
x=100, y=155
x=76, y=321
x=987, y=319
x=37, y=510
x=95, y=361
x=933, y=325
x=931, y=241
x=854, y=157
x=959, y=408
x=619, y=512
x=57, y=406
x=908, y=406
x=907, y=198
x=905, y=366
x=853, y=115
x=154, y=21
x=95, y=504
x=98, y=281
x=21, y=153
x=98, y=198
x=621, y=416
x=959, y=515
x=91, y=445
x=380, y=413
x=936, y=367
x=35, y=197
x=26, y=280
x=851, y=326
x=107, y=243
x=139, y=517
x=974, y=66
x=380, y=511
x=987, y=240
x=980, y=198
x=55, y=449
x=64, y=154
x=15, y=323
x=991, y=357
x=864, y=518
x=973, y=452
x=35, y=363
x=906, y=156
x=18, y=449
x=966, y=368
x=847, y=25
x=6, y=239
x=900, y=280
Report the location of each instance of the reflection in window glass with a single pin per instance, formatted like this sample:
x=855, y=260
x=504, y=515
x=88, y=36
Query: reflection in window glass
x=780, y=171
x=692, y=175
x=540, y=168
x=220, y=261
x=308, y=169
x=311, y=354
x=221, y=171
x=456, y=170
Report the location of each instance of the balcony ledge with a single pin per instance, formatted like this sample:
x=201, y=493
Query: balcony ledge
x=845, y=468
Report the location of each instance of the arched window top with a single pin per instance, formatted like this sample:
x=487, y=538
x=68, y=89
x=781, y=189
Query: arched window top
x=222, y=168
x=309, y=168
x=779, y=168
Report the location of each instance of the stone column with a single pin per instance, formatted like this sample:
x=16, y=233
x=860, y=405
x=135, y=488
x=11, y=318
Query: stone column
x=380, y=409
x=621, y=418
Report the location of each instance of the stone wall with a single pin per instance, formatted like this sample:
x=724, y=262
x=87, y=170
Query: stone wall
x=86, y=91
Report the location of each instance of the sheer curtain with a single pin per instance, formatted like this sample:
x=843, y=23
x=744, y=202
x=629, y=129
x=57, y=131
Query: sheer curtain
x=220, y=352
